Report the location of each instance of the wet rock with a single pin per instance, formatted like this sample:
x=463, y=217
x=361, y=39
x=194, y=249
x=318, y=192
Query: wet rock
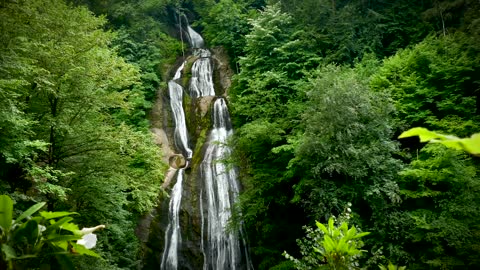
x=177, y=161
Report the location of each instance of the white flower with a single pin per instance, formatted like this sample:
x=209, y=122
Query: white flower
x=89, y=240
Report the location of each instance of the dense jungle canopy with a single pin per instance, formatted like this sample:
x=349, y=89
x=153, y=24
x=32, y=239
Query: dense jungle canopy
x=322, y=89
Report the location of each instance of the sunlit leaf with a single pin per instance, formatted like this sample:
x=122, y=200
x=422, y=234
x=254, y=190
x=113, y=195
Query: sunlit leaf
x=424, y=134
x=50, y=215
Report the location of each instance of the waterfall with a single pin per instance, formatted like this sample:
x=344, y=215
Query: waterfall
x=201, y=83
x=222, y=248
x=176, y=103
x=196, y=41
x=214, y=182
x=172, y=234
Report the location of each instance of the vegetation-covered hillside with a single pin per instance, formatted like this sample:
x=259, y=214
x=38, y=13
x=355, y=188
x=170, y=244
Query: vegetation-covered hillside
x=322, y=90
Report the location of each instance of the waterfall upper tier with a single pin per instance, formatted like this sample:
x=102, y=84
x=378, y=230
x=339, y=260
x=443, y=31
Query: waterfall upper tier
x=176, y=103
x=201, y=83
x=196, y=41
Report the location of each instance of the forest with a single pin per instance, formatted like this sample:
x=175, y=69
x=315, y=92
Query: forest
x=321, y=92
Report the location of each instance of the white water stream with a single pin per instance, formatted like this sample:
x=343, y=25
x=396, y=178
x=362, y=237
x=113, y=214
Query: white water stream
x=170, y=253
x=222, y=248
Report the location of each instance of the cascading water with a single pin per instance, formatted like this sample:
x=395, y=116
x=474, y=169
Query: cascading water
x=201, y=83
x=172, y=234
x=196, y=41
x=222, y=249
x=217, y=185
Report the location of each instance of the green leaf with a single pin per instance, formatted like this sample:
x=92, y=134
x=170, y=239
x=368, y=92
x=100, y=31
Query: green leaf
x=361, y=235
x=424, y=134
x=330, y=224
x=57, y=224
x=9, y=252
x=63, y=245
x=50, y=215
x=6, y=209
x=63, y=238
x=84, y=251
x=342, y=246
x=351, y=233
x=30, y=211
x=28, y=231
x=321, y=227
x=472, y=144
x=71, y=227
x=329, y=244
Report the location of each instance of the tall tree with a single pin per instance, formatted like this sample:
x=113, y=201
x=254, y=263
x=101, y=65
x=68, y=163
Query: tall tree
x=61, y=139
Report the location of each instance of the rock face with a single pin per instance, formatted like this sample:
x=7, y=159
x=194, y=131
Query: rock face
x=222, y=71
x=191, y=215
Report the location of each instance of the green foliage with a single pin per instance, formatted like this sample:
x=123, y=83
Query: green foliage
x=141, y=38
x=390, y=266
x=342, y=31
x=331, y=246
x=433, y=84
x=350, y=158
x=440, y=193
x=311, y=139
x=41, y=236
x=225, y=24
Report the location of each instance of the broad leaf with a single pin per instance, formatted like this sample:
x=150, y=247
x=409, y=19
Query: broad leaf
x=30, y=211
x=321, y=227
x=63, y=238
x=50, y=215
x=84, y=251
x=9, y=252
x=472, y=144
x=424, y=134
x=57, y=224
x=28, y=231
x=6, y=209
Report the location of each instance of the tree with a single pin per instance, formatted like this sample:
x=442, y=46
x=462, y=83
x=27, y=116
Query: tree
x=433, y=84
x=345, y=149
x=226, y=24
x=63, y=138
x=440, y=193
